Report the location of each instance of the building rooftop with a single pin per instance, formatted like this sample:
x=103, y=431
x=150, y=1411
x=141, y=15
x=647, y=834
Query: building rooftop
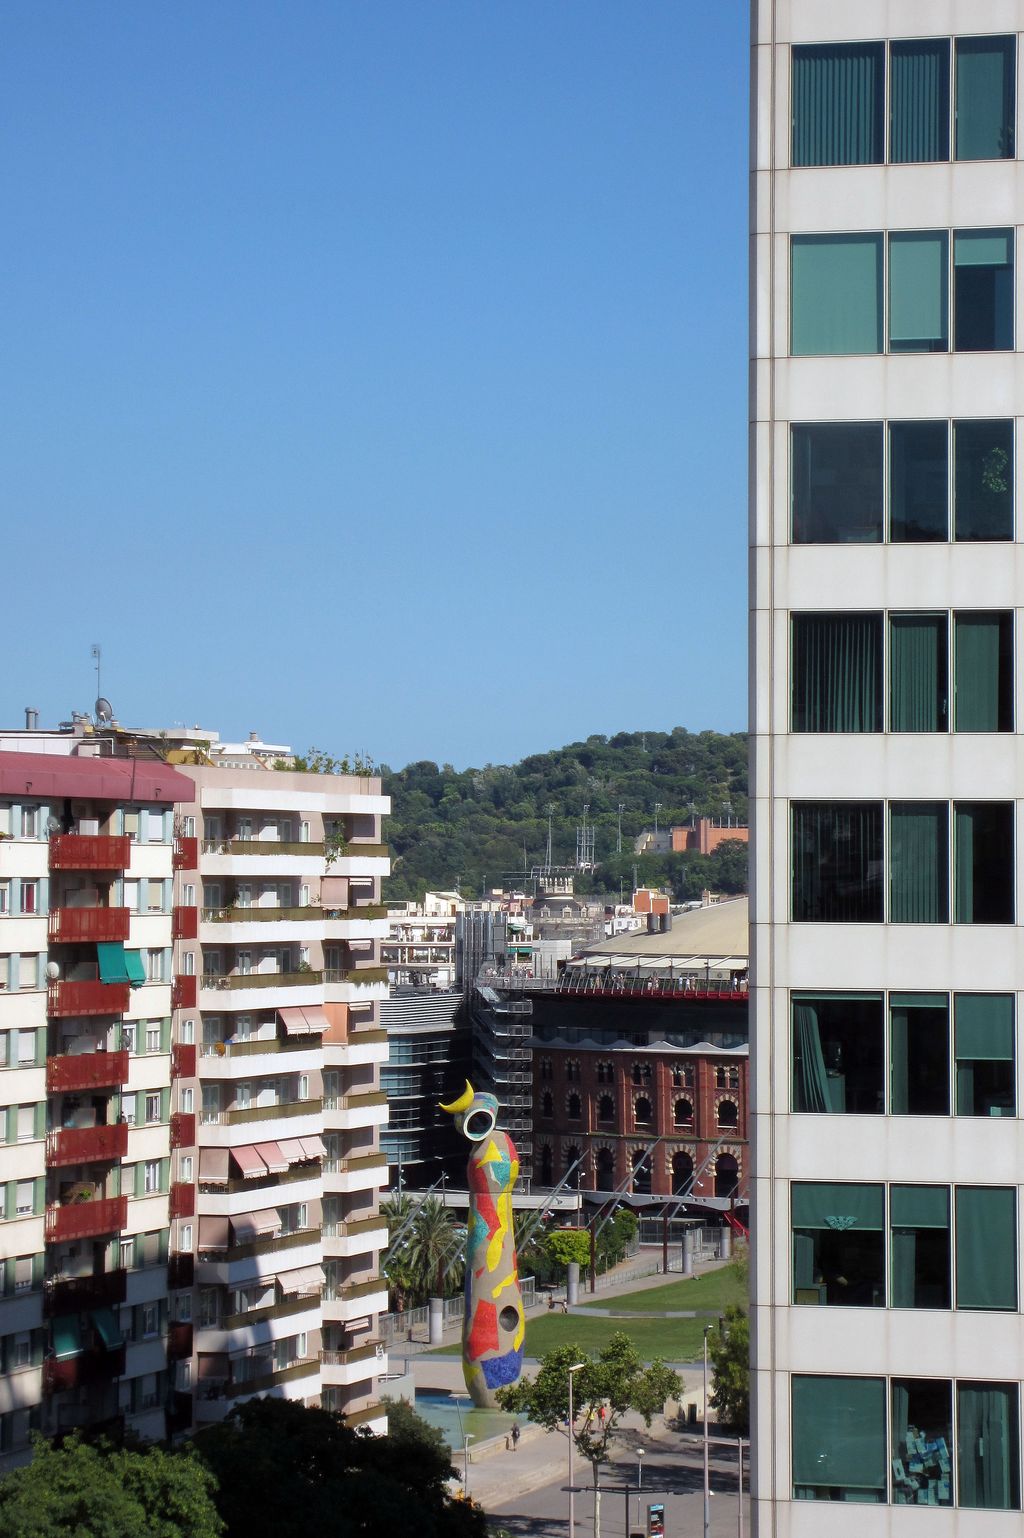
x=718, y=932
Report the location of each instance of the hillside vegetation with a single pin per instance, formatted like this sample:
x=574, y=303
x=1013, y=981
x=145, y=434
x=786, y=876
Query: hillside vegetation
x=479, y=827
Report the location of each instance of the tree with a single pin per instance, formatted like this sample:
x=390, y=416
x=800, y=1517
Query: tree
x=568, y=1245
x=616, y=1379
x=91, y=1490
x=432, y=1248
x=729, y=1355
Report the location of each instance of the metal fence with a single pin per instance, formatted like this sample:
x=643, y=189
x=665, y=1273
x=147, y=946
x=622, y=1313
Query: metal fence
x=396, y=1326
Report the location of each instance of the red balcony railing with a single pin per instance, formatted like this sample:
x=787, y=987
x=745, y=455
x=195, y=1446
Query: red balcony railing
x=86, y=1070
x=80, y=1294
x=90, y=851
x=182, y=1200
x=179, y=1341
x=86, y=1220
x=181, y=1271
x=183, y=1129
x=183, y=993
x=70, y=924
x=79, y=1371
x=87, y=1145
x=185, y=924
x=183, y=1060
x=186, y=853
x=87, y=998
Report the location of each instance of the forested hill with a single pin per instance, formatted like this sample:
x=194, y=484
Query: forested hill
x=478, y=827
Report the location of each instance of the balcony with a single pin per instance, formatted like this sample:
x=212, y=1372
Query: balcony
x=253, y=846
x=68, y=925
x=89, y=851
x=87, y=998
x=183, y=1060
x=179, y=1341
x=307, y=979
x=185, y=924
x=286, y=1308
x=266, y=1246
x=71, y=1071
x=79, y=1371
x=82, y=1294
x=183, y=993
x=87, y=1145
x=269, y=1380
x=361, y=975
x=186, y=853
x=183, y=1129
x=86, y=1220
x=283, y=1109
x=182, y=1200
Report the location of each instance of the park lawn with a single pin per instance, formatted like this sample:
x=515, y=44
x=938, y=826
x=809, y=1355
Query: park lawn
x=713, y=1290
x=677, y=1340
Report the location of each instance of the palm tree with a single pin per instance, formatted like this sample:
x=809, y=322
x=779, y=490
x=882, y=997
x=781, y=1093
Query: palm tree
x=432, y=1245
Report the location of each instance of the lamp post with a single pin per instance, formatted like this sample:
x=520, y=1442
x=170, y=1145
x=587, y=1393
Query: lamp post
x=572, y=1437
x=467, y=1438
x=639, y=1480
x=707, y=1485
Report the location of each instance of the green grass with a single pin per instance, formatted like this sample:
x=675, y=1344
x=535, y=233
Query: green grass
x=712, y=1290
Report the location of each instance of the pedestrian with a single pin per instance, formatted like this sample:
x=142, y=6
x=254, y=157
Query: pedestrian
x=515, y=1436
x=601, y=1415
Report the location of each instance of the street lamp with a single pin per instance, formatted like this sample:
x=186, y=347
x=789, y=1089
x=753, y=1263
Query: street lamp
x=639, y=1480
x=467, y=1438
x=707, y=1485
x=572, y=1437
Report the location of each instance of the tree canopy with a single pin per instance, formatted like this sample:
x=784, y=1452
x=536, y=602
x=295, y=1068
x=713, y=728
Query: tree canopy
x=480, y=826
x=729, y=1356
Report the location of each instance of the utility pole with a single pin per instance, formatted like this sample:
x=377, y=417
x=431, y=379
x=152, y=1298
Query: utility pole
x=618, y=840
x=657, y=808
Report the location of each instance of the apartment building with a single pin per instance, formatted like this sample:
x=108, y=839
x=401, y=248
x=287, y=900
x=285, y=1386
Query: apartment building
x=887, y=201
x=419, y=951
x=189, y=1076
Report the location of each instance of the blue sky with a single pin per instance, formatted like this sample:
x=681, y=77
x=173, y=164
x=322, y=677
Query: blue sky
x=374, y=373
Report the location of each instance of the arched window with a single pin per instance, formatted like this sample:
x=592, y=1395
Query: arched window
x=606, y=1073
x=637, y=1074
x=728, y=1115
x=574, y=1106
x=605, y=1108
x=682, y=1173
x=547, y=1104
x=642, y=1111
x=641, y=1163
x=547, y=1166
x=572, y=1153
x=727, y=1175
x=572, y=1071
x=545, y=1068
x=605, y=1170
x=683, y=1113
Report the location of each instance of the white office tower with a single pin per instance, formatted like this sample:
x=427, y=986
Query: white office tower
x=887, y=208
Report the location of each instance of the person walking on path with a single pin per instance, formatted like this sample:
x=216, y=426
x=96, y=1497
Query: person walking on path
x=515, y=1436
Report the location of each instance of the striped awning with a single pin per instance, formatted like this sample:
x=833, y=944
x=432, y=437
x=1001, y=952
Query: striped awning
x=304, y=1022
x=306, y=1282
x=273, y=1157
x=255, y=1225
x=313, y=1147
x=213, y=1166
x=249, y=1162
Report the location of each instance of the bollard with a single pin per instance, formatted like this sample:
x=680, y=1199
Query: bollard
x=435, y=1326
x=725, y=1242
x=688, y=1252
x=573, y=1285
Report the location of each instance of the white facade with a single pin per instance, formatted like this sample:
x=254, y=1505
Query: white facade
x=888, y=1347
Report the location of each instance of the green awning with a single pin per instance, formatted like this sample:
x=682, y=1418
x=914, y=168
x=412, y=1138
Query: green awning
x=111, y=956
x=108, y=1328
x=67, y=1337
x=136, y=971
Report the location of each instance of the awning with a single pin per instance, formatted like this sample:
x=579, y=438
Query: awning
x=111, y=957
x=136, y=971
x=292, y=1149
x=107, y=1328
x=213, y=1232
x=212, y=1366
x=249, y=1162
x=273, y=1157
x=67, y=1337
x=313, y=1147
x=253, y=1225
x=213, y=1166
x=306, y=1282
x=304, y=1022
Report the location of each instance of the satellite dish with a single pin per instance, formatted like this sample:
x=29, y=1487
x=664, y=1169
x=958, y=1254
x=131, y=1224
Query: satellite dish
x=52, y=971
x=104, y=709
x=52, y=825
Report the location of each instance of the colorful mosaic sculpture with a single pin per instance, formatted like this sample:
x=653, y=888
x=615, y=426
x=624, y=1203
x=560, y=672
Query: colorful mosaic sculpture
x=494, y=1326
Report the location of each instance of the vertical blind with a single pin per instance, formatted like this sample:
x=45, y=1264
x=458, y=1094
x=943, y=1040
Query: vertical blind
x=988, y=1443
x=837, y=860
x=837, y=673
x=919, y=97
x=918, y=672
x=978, y=652
x=838, y=102
x=918, y=862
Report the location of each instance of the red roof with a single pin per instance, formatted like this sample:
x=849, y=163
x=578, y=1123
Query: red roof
x=101, y=779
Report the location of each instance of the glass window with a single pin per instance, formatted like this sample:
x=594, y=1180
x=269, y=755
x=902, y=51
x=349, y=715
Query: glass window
x=837, y=483
x=922, y=1442
x=920, y=1246
x=838, y=104
x=983, y=290
x=983, y=480
x=838, y=1244
x=919, y=99
x=837, y=862
x=919, y=291
x=919, y=1054
x=919, y=862
x=986, y=1247
x=983, y=856
x=837, y=672
x=838, y=1439
x=918, y=481
x=983, y=1037
x=988, y=1446
x=836, y=302
x=918, y=672
x=984, y=98
x=983, y=672
x=839, y=1053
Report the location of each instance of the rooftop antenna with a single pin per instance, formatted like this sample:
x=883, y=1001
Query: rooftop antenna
x=97, y=654
x=550, y=811
x=618, y=840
